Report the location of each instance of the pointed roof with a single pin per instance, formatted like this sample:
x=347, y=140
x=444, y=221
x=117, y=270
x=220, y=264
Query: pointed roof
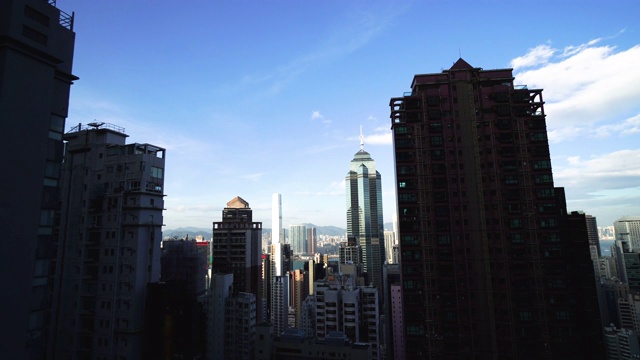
x=238, y=203
x=461, y=65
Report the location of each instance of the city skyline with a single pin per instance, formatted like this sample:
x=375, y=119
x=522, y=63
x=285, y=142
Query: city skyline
x=176, y=75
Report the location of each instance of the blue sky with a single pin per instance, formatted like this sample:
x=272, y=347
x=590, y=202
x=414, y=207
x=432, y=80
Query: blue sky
x=255, y=97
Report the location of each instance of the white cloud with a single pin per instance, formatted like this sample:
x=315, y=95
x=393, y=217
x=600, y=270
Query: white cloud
x=628, y=127
x=583, y=86
x=378, y=139
x=316, y=115
x=615, y=170
x=539, y=55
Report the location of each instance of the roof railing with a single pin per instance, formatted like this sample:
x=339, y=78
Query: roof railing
x=95, y=126
x=66, y=20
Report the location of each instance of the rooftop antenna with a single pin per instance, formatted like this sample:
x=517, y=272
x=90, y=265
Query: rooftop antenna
x=459, y=53
x=361, y=139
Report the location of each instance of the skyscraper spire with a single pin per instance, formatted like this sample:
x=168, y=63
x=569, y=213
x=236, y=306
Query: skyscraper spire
x=361, y=139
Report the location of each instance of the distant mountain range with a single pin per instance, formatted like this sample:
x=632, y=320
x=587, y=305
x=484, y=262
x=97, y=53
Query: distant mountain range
x=192, y=232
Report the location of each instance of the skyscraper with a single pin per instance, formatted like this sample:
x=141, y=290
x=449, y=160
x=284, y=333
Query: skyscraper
x=36, y=58
x=298, y=238
x=236, y=248
x=279, y=303
x=111, y=228
x=364, y=213
x=627, y=228
x=277, y=235
x=492, y=265
x=311, y=240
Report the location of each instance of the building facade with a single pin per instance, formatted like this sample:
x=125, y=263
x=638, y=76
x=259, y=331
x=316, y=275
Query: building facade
x=298, y=239
x=277, y=234
x=236, y=248
x=353, y=310
x=36, y=58
x=312, y=239
x=492, y=267
x=627, y=228
x=279, y=304
x=111, y=229
x=364, y=214
x=240, y=327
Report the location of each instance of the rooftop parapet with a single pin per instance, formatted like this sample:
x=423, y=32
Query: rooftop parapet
x=96, y=126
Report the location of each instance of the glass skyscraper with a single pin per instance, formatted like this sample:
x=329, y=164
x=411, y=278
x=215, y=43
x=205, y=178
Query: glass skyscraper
x=364, y=214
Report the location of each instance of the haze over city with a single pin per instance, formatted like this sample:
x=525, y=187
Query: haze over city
x=253, y=97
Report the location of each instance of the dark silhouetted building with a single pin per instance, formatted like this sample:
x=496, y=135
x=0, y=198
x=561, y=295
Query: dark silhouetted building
x=185, y=260
x=236, y=249
x=36, y=56
x=111, y=228
x=175, y=322
x=492, y=267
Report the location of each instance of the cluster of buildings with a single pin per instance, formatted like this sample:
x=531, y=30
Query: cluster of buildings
x=618, y=281
x=487, y=261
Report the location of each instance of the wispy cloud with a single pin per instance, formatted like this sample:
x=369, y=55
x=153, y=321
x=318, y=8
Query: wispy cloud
x=615, y=170
x=345, y=39
x=382, y=136
x=537, y=56
x=628, y=127
x=253, y=177
x=317, y=116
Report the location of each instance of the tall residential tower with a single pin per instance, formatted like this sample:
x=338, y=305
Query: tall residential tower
x=236, y=249
x=364, y=214
x=492, y=267
x=111, y=228
x=36, y=57
x=277, y=235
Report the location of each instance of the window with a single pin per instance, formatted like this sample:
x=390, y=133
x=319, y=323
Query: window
x=401, y=130
x=544, y=179
x=407, y=197
x=444, y=239
x=517, y=238
x=156, y=172
x=408, y=240
x=538, y=136
x=542, y=164
x=510, y=179
x=436, y=140
x=525, y=315
x=546, y=193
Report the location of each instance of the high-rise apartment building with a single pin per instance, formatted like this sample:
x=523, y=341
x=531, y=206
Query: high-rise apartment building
x=311, y=240
x=353, y=310
x=389, y=242
x=236, y=248
x=492, y=266
x=279, y=304
x=298, y=239
x=36, y=57
x=627, y=228
x=594, y=239
x=185, y=261
x=364, y=214
x=110, y=231
x=240, y=327
x=299, y=290
x=220, y=290
x=277, y=234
